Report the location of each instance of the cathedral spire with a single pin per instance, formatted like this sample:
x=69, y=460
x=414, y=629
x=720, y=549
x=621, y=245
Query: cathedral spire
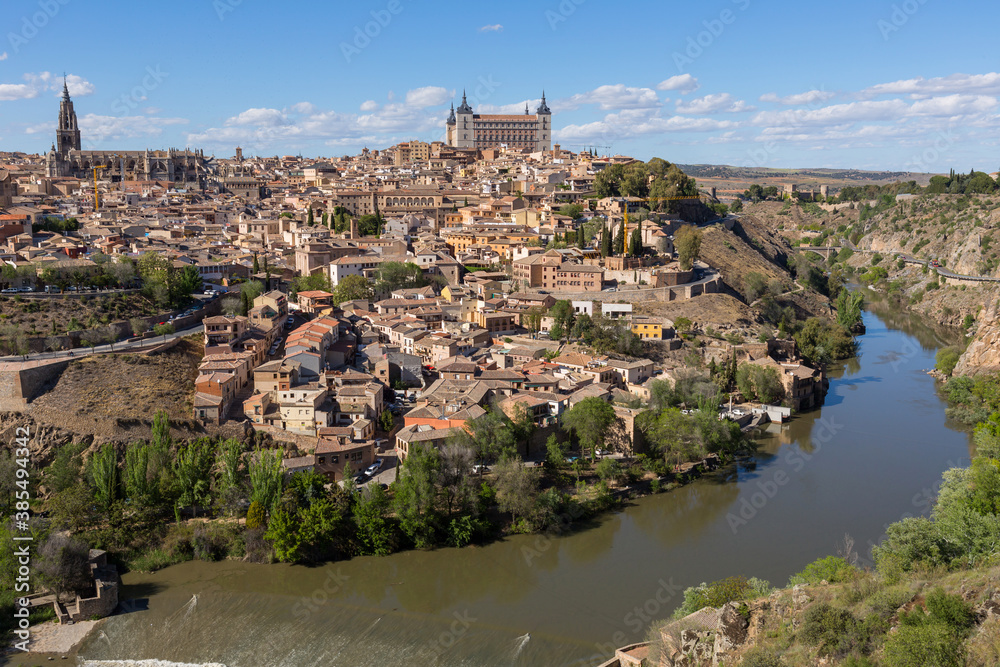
x=65, y=88
x=464, y=108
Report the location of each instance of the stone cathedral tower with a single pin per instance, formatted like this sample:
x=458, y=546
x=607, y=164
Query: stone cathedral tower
x=68, y=134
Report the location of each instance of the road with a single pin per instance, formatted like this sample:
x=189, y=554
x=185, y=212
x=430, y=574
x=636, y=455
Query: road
x=102, y=349
x=910, y=260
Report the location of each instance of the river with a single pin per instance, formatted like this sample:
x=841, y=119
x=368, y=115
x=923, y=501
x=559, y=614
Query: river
x=873, y=454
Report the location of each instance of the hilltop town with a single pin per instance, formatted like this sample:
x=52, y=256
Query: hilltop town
x=351, y=307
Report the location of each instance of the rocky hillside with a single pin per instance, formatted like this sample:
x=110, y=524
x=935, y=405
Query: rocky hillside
x=112, y=398
x=750, y=247
x=983, y=353
x=861, y=621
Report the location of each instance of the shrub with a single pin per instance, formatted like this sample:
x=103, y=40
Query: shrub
x=833, y=569
x=762, y=657
x=921, y=645
x=714, y=594
x=946, y=359
x=255, y=516
x=838, y=632
x=950, y=610
x=826, y=627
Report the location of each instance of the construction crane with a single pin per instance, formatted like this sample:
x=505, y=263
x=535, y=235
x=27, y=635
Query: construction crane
x=625, y=201
x=97, y=203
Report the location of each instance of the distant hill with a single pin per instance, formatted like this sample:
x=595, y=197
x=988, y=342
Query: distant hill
x=730, y=180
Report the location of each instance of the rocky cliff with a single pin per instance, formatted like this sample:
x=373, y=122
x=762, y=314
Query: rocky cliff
x=983, y=353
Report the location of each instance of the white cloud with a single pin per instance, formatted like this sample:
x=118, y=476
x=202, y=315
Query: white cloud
x=953, y=105
x=17, y=91
x=611, y=98
x=682, y=83
x=258, y=117
x=988, y=84
x=270, y=129
x=3, y=56
x=98, y=130
x=369, y=105
x=302, y=107
x=808, y=97
x=637, y=122
x=491, y=28
x=837, y=113
x=717, y=103
x=428, y=96
x=515, y=108
x=78, y=86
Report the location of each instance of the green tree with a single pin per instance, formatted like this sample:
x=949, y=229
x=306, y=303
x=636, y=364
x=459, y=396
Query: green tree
x=163, y=330
x=572, y=211
x=138, y=326
x=581, y=237
x=264, y=468
x=104, y=476
x=352, y=288
x=605, y=241
x=563, y=316
x=687, y=241
x=397, y=275
x=635, y=242
x=63, y=564
x=591, y=420
x=489, y=436
x=137, y=482
x=415, y=495
x=374, y=532
x=283, y=532
x=849, y=308
x=759, y=383
x=193, y=472
x=517, y=487
x=947, y=358
x=618, y=245
x=309, y=219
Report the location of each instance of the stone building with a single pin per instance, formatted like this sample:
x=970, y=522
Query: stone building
x=467, y=129
x=67, y=159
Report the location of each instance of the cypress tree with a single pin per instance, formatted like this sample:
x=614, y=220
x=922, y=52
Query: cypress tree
x=309, y=220
x=581, y=240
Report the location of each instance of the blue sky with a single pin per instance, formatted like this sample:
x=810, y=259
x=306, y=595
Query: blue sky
x=866, y=84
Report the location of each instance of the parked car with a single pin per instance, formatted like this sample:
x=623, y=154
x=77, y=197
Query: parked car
x=25, y=289
x=603, y=452
x=9, y=290
x=480, y=467
x=374, y=468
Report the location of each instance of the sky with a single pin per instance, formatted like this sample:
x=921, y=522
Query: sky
x=904, y=85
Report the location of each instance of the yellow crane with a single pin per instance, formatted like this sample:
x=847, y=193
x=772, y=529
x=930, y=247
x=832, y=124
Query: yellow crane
x=97, y=203
x=625, y=200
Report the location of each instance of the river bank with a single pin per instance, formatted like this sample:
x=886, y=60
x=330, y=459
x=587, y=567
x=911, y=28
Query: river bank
x=572, y=599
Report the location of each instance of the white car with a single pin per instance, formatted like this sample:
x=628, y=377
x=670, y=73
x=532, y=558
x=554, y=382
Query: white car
x=374, y=468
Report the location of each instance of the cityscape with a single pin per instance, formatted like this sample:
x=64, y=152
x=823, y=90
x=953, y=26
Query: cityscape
x=684, y=354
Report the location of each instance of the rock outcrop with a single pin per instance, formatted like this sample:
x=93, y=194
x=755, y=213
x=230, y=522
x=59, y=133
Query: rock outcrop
x=983, y=353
